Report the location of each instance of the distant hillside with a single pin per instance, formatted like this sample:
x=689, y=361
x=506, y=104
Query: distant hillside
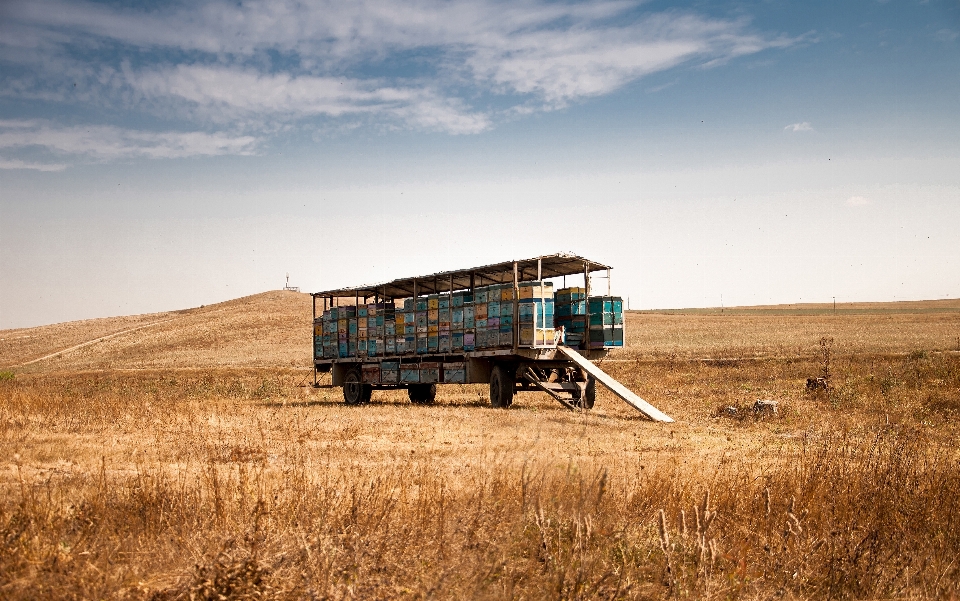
x=949, y=305
x=273, y=329
x=267, y=329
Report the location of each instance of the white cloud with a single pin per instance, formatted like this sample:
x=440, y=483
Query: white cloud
x=108, y=142
x=266, y=65
x=803, y=126
x=946, y=35
x=557, y=52
x=243, y=93
x=18, y=164
x=858, y=201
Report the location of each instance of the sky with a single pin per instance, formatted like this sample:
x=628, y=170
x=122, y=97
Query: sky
x=159, y=156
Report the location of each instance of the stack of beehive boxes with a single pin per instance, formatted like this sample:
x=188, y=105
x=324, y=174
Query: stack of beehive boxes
x=536, y=314
x=439, y=324
x=356, y=331
x=572, y=315
x=606, y=321
x=493, y=308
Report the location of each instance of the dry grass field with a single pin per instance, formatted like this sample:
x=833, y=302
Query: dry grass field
x=183, y=455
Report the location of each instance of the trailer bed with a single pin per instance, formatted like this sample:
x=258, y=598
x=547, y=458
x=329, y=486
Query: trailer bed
x=534, y=360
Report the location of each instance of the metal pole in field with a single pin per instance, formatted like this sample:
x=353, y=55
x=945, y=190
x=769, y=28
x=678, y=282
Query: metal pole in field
x=608, y=281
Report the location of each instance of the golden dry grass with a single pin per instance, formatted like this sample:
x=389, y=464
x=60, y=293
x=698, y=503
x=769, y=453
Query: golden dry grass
x=188, y=460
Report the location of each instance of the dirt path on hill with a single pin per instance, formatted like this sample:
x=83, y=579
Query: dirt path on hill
x=94, y=341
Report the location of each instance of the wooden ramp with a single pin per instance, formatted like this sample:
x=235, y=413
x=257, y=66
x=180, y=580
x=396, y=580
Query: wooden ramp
x=615, y=387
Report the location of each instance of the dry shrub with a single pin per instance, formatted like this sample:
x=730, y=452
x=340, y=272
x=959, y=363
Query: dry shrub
x=860, y=515
x=184, y=483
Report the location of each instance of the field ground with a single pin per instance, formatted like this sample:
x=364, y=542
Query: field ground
x=184, y=455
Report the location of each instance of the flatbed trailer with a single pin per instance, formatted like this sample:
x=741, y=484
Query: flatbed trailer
x=566, y=374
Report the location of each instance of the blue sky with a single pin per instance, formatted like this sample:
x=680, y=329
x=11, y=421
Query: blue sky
x=164, y=156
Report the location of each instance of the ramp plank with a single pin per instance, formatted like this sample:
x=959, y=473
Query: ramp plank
x=615, y=387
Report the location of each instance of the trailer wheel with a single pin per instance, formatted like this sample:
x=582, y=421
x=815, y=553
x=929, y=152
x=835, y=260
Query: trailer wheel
x=501, y=387
x=422, y=394
x=355, y=392
x=590, y=394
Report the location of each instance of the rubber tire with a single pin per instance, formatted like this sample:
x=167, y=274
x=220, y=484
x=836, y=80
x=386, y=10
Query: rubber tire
x=502, y=387
x=355, y=392
x=422, y=394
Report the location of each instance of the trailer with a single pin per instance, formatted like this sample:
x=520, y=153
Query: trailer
x=405, y=334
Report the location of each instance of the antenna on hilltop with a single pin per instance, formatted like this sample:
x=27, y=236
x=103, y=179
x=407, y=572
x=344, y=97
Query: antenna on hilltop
x=289, y=287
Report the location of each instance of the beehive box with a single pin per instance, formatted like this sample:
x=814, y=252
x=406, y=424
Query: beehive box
x=531, y=290
x=429, y=373
x=410, y=373
x=390, y=372
x=454, y=373
x=371, y=373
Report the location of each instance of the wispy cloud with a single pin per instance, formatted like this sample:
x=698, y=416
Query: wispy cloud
x=946, y=35
x=262, y=65
x=18, y=164
x=110, y=143
x=858, y=201
x=231, y=93
x=803, y=126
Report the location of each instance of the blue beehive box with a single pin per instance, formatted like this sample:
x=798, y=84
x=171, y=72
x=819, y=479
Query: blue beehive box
x=410, y=373
x=454, y=373
x=390, y=372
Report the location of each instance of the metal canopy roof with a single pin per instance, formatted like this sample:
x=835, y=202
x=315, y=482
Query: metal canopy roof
x=462, y=279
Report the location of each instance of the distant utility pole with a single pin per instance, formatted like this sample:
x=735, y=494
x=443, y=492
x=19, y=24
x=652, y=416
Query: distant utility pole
x=834, y=305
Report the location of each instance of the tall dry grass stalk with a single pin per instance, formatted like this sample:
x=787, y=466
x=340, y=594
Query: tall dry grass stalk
x=218, y=501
